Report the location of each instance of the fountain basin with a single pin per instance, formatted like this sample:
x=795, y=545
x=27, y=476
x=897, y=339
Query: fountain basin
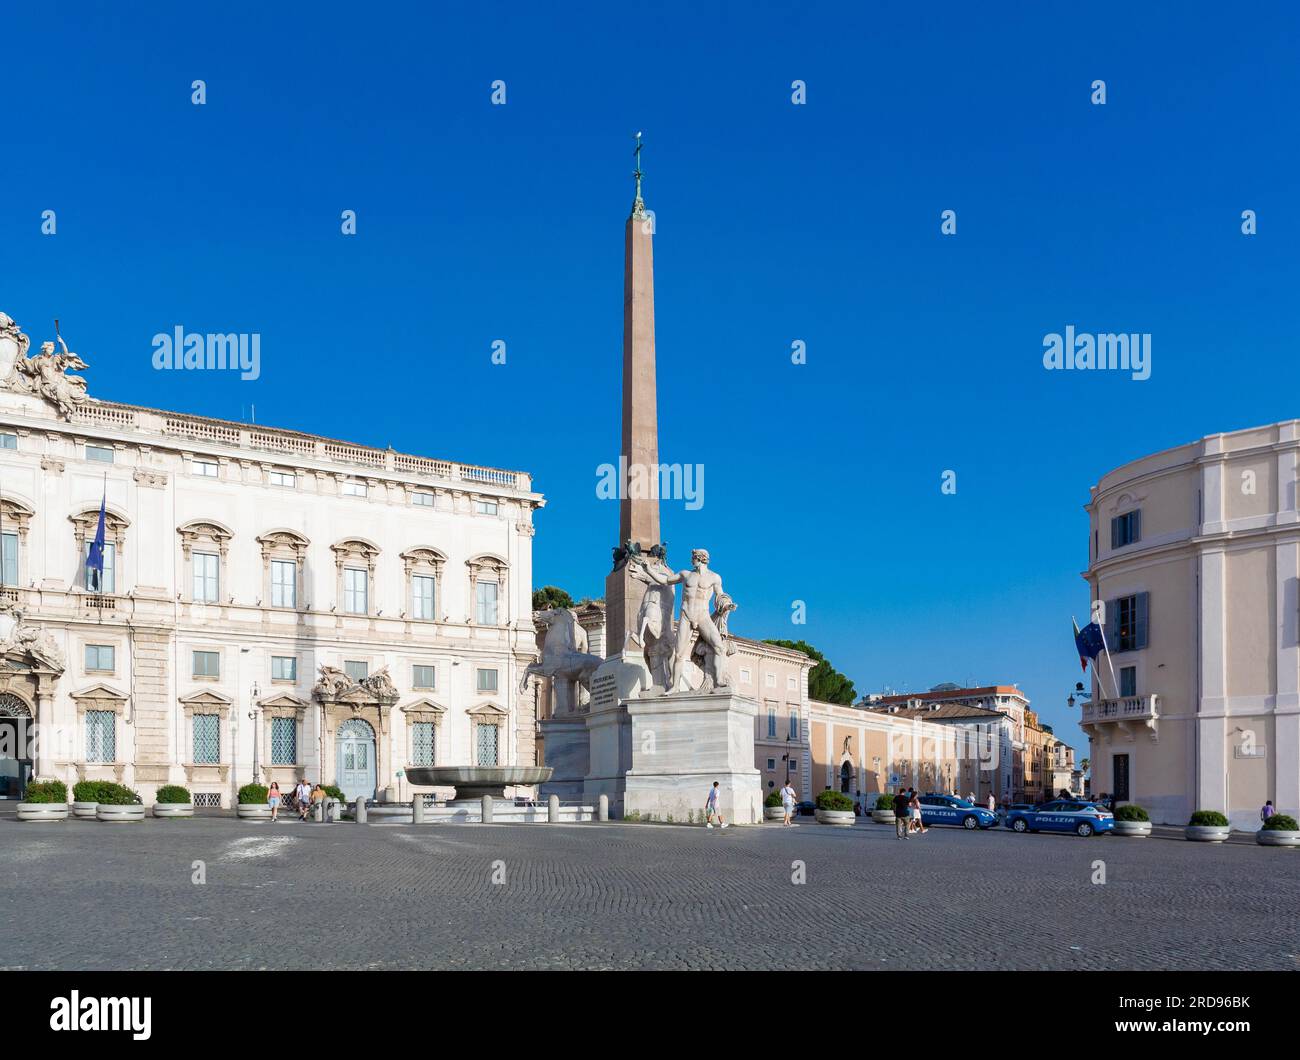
x=473, y=782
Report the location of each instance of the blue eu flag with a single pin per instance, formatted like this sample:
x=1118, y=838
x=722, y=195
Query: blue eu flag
x=95, y=554
x=1089, y=641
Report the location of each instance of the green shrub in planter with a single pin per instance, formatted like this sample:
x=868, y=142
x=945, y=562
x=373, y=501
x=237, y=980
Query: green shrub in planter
x=1279, y=822
x=117, y=795
x=1208, y=819
x=172, y=794
x=884, y=802
x=773, y=799
x=86, y=790
x=334, y=793
x=46, y=791
x=834, y=800
x=251, y=794
x=1132, y=812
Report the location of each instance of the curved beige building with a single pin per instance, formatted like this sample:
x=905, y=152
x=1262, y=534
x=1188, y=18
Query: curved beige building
x=1194, y=554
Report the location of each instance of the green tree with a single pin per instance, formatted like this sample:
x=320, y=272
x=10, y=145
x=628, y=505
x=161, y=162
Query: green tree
x=550, y=596
x=825, y=683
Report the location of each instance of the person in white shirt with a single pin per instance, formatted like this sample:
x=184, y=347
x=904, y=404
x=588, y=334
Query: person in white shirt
x=302, y=795
x=993, y=803
x=787, y=801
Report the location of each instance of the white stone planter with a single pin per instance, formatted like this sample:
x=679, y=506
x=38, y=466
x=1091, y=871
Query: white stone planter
x=883, y=816
x=1265, y=837
x=253, y=811
x=42, y=811
x=120, y=814
x=1207, y=833
x=173, y=809
x=1133, y=828
x=84, y=810
x=773, y=813
x=841, y=818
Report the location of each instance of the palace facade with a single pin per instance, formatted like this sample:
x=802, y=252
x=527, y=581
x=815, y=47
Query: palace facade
x=1194, y=562
x=273, y=604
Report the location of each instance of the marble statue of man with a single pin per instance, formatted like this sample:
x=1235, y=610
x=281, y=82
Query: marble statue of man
x=694, y=620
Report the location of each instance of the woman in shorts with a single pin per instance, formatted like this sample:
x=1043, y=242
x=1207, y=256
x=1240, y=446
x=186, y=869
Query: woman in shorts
x=273, y=798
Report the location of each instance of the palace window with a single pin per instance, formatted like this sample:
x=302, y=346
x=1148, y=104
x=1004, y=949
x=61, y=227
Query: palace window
x=745, y=675
x=771, y=721
x=284, y=668
x=422, y=596
x=207, y=664
x=284, y=741
x=423, y=743
x=207, y=577
x=486, y=595
x=794, y=726
x=353, y=488
x=487, y=680
x=101, y=742
x=356, y=591
x=769, y=680
x=486, y=742
x=425, y=500
x=92, y=580
x=8, y=440
x=205, y=468
x=356, y=669
x=285, y=479
x=771, y=763
x=485, y=507
x=424, y=676
x=1126, y=529
x=284, y=583
x=1128, y=681
x=101, y=453
x=100, y=658
x=1128, y=621
x=8, y=559
x=207, y=739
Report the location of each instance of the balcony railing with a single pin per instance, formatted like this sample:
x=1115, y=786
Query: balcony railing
x=1128, y=712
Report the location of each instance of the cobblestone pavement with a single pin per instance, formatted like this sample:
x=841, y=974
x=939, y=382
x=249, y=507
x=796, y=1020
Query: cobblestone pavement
x=84, y=895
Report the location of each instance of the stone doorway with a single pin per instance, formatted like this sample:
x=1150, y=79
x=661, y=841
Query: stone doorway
x=16, y=733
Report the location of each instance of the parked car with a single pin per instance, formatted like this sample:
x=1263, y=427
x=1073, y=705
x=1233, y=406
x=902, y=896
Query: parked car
x=950, y=810
x=1062, y=815
x=806, y=809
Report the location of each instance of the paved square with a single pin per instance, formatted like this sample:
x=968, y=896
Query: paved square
x=85, y=895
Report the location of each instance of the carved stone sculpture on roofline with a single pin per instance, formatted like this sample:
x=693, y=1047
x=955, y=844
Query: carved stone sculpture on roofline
x=42, y=375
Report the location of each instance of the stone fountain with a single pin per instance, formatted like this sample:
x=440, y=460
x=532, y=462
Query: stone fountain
x=473, y=782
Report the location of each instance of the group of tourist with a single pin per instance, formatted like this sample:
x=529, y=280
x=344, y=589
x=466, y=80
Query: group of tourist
x=907, y=814
x=305, y=798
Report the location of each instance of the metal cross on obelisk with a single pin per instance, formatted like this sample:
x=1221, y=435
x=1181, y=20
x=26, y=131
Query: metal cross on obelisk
x=638, y=523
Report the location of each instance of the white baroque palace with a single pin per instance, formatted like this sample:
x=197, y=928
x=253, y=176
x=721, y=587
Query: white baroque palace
x=274, y=604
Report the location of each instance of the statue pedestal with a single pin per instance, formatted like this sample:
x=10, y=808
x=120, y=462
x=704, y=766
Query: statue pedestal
x=565, y=748
x=681, y=744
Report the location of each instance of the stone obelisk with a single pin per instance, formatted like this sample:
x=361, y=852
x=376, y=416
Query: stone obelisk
x=638, y=520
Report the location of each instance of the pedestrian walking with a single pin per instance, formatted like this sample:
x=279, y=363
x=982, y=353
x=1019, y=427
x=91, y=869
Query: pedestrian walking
x=914, y=807
x=901, y=814
x=993, y=803
x=302, y=798
x=711, y=808
x=273, y=799
x=787, y=802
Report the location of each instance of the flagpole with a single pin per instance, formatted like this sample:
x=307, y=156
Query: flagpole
x=1106, y=648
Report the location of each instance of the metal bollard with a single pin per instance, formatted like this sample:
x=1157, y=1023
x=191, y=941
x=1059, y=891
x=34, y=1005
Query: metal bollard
x=417, y=810
x=553, y=810
x=487, y=809
x=361, y=810
x=602, y=808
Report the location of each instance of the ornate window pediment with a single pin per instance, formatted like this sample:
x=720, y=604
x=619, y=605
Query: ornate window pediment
x=99, y=697
x=424, y=709
x=355, y=550
x=86, y=523
x=423, y=558
x=287, y=543
x=204, y=532
x=206, y=701
x=16, y=513
x=488, y=565
x=488, y=712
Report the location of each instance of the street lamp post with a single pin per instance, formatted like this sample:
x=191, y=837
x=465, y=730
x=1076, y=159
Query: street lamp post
x=254, y=692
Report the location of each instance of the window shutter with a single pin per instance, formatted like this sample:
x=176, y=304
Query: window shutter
x=1137, y=525
x=1140, y=625
x=1114, y=533
x=1112, y=625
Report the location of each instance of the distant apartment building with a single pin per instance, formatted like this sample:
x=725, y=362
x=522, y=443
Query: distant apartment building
x=991, y=712
x=1194, y=557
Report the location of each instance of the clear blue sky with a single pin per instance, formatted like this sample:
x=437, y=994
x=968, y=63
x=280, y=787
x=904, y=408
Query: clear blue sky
x=775, y=223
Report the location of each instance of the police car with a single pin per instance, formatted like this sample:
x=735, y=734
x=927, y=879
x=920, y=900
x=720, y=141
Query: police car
x=948, y=809
x=1062, y=815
